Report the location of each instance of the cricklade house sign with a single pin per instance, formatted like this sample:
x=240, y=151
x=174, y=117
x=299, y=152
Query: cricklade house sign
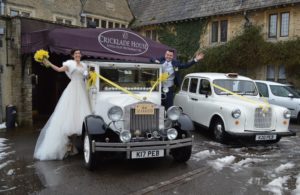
x=123, y=42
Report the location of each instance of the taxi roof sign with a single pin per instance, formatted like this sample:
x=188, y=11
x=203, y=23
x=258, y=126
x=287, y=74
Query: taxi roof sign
x=232, y=75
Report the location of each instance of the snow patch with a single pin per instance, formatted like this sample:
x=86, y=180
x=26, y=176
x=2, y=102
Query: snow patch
x=203, y=155
x=3, y=126
x=297, y=190
x=245, y=163
x=5, y=164
x=276, y=185
x=284, y=167
x=10, y=172
x=219, y=163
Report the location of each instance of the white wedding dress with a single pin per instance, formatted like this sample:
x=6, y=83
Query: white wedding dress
x=67, y=117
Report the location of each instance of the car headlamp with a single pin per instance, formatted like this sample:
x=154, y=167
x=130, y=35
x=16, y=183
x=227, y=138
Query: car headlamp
x=236, y=113
x=172, y=133
x=115, y=113
x=125, y=136
x=287, y=114
x=174, y=113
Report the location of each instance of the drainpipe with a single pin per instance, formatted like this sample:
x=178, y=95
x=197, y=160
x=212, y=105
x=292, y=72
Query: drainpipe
x=82, y=14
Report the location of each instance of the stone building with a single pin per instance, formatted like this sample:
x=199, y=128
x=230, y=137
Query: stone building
x=17, y=75
x=225, y=18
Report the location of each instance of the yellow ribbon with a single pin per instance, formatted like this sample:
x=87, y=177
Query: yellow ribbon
x=93, y=76
x=264, y=106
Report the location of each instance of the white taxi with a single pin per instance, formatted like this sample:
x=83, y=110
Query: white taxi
x=230, y=106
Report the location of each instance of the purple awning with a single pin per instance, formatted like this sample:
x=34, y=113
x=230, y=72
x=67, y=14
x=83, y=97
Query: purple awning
x=110, y=44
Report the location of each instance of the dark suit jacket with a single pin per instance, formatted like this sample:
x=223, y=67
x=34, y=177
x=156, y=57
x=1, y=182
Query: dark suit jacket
x=176, y=65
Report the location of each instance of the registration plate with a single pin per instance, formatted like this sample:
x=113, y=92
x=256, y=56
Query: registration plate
x=147, y=154
x=265, y=137
x=144, y=109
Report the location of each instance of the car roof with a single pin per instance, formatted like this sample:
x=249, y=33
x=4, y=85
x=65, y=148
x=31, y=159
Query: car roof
x=270, y=82
x=214, y=75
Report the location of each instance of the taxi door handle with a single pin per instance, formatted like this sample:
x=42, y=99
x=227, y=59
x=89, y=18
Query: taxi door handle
x=194, y=99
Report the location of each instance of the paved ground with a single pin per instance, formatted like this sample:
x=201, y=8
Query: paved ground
x=213, y=169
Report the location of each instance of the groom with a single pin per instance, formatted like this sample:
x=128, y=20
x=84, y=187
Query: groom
x=171, y=66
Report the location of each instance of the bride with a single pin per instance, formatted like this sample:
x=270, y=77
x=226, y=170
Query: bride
x=66, y=120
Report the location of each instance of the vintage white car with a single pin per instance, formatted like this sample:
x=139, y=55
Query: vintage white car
x=230, y=106
x=128, y=117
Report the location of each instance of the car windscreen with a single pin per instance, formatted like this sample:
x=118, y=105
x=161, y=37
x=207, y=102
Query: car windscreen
x=283, y=91
x=132, y=79
x=241, y=87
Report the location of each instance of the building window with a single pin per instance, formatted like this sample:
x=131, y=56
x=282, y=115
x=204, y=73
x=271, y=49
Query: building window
x=151, y=34
x=281, y=74
x=219, y=35
x=224, y=25
x=214, y=32
x=154, y=35
x=117, y=25
x=97, y=22
x=110, y=24
x=103, y=24
x=69, y=22
x=273, y=26
x=61, y=20
x=14, y=12
x=123, y=26
x=284, y=24
x=271, y=73
x=148, y=34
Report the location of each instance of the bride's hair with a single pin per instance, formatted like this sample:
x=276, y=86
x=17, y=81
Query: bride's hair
x=73, y=51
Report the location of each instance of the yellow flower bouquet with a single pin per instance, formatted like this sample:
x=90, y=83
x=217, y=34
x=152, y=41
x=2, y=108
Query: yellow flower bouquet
x=40, y=56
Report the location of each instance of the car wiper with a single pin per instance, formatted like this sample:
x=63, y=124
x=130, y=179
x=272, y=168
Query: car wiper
x=224, y=93
x=149, y=73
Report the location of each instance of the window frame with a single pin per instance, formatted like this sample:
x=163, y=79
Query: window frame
x=288, y=24
x=215, y=34
x=221, y=31
x=276, y=26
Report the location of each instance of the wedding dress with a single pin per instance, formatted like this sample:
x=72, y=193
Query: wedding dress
x=67, y=117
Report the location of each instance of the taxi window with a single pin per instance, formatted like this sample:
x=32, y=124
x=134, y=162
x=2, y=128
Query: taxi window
x=185, y=84
x=193, y=85
x=205, y=87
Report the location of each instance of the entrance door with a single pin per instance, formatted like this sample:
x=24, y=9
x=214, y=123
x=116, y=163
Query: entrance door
x=47, y=87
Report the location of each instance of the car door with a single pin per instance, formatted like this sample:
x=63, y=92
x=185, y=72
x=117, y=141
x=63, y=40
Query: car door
x=281, y=96
x=182, y=98
x=193, y=98
x=202, y=109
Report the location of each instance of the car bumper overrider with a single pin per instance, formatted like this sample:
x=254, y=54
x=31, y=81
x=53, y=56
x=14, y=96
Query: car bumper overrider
x=140, y=146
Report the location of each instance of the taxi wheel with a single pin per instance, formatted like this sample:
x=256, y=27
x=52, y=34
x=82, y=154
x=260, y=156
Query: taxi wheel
x=88, y=155
x=298, y=119
x=219, y=131
x=182, y=154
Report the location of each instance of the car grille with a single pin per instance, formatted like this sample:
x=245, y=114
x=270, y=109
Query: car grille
x=144, y=123
x=263, y=119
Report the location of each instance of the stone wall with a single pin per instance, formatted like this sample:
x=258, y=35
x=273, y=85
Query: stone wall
x=112, y=10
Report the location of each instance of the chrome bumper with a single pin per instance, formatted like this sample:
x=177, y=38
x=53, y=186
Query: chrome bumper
x=140, y=146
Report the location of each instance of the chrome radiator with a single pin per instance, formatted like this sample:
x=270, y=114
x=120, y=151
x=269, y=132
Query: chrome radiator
x=144, y=122
x=263, y=118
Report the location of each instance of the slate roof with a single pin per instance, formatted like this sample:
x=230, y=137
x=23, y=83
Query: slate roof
x=150, y=12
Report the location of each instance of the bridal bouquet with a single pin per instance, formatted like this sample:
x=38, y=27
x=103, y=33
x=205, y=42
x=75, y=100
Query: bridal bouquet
x=42, y=56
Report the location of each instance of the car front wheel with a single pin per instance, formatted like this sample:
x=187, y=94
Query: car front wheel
x=219, y=131
x=89, y=156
